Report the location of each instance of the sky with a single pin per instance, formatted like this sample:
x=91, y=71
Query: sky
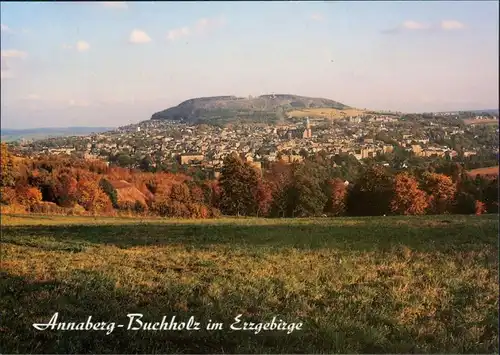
x=115, y=63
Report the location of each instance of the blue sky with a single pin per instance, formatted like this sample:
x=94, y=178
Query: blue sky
x=111, y=64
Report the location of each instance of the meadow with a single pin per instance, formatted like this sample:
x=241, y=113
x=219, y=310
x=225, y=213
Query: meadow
x=359, y=285
x=330, y=113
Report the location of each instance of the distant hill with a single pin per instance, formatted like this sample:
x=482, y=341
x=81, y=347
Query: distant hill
x=264, y=108
x=9, y=135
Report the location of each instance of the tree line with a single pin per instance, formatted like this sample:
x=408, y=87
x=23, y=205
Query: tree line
x=314, y=187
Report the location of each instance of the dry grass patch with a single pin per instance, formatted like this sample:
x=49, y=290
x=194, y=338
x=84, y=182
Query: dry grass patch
x=330, y=113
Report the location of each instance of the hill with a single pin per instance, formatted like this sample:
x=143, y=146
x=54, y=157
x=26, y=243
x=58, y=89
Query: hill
x=264, y=108
x=358, y=285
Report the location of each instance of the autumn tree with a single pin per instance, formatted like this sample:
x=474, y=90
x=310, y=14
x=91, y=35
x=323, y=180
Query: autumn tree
x=28, y=196
x=66, y=190
x=407, y=198
x=480, y=207
x=180, y=193
x=337, y=194
x=91, y=196
x=441, y=191
x=7, y=165
x=264, y=198
x=279, y=178
x=197, y=194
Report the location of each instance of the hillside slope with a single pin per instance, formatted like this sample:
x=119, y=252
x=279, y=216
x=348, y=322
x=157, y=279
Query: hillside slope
x=264, y=108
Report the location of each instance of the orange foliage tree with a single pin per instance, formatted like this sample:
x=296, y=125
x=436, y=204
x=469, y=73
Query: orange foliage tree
x=264, y=197
x=408, y=199
x=441, y=191
x=66, y=191
x=29, y=196
x=91, y=196
x=337, y=200
x=480, y=207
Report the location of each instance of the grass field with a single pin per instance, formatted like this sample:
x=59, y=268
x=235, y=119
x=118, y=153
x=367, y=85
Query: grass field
x=492, y=171
x=330, y=113
x=373, y=285
x=489, y=121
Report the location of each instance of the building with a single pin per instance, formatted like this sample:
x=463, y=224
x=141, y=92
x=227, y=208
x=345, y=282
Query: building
x=307, y=132
x=191, y=158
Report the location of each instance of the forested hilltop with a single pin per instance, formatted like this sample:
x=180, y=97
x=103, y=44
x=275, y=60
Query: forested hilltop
x=264, y=108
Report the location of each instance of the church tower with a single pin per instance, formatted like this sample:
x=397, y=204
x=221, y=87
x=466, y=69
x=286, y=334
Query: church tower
x=307, y=132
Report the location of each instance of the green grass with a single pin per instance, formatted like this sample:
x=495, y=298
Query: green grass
x=359, y=285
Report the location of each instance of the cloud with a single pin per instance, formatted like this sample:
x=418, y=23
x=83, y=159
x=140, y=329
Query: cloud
x=82, y=46
x=139, y=36
x=206, y=24
x=115, y=4
x=5, y=28
x=410, y=25
x=177, y=33
x=78, y=103
x=33, y=97
x=414, y=25
x=13, y=53
x=448, y=25
x=316, y=17
x=202, y=26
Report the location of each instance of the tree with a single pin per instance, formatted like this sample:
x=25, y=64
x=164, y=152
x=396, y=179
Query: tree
x=305, y=196
x=491, y=196
x=180, y=192
x=408, y=199
x=7, y=165
x=480, y=208
x=91, y=196
x=337, y=197
x=238, y=182
x=279, y=178
x=109, y=190
x=146, y=164
x=371, y=194
x=124, y=160
x=441, y=191
x=66, y=190
x=197, y=194
x=465, y=203
x=29, y=196
x=264, y=198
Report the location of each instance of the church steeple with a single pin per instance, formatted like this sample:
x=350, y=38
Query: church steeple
x=307, y=132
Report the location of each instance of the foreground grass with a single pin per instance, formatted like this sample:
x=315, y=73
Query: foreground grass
x=376, y=285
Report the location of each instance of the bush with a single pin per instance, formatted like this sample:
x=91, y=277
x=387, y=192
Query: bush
x=47, y=208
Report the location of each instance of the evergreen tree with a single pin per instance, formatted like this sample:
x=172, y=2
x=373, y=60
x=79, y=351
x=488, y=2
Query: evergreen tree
x=106, y=186
x=239, y=185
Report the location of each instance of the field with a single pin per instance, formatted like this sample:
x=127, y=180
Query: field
x=330, y=113
x=492, y=171
x=488, y=121
x=359, y=285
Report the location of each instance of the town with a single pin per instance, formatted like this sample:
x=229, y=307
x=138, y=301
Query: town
x=175, y=145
